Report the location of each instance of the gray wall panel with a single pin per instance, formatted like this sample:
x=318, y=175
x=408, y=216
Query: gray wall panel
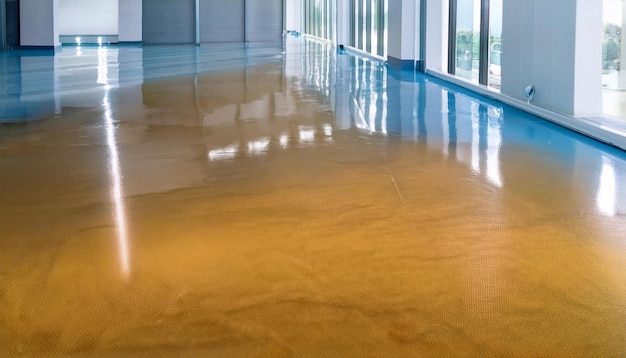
x=264, y=20
x=222, y=20
x=168, y=21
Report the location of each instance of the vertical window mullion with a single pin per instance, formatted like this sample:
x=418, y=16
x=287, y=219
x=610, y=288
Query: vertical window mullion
x=483, y=73
x=307, y=11
x=422, y=49
x=352, y=23
x=309, y=14
x=327, y=15
x=322, y=21
x=331, y=21
x=316, y=18
x=359, y=26
x=322, y=18
x=312, y=17
x=368, y=25
x=381, y=28
x=373, y=32
x=452, y=37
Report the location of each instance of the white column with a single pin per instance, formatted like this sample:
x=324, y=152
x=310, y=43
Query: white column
x=343, y=16
x=293, y=15
x=588, y=59
x=437, y=35
x=394, y=29
x=130, y=19
x=39, y=23
x=401, y=36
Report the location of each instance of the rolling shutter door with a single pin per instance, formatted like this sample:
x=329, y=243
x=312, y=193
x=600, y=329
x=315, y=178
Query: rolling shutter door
x=264, y=20
x=169, y=21
x=222, y=20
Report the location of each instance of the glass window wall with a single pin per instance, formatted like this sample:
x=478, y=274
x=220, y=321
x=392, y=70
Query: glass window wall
x=475, y=43
x=613, y=78
x=369, y=26
x=495, y=43
x=318, y=18
x=468, y=39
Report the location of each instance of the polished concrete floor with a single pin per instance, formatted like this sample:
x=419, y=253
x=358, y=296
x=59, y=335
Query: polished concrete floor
x=231, y=201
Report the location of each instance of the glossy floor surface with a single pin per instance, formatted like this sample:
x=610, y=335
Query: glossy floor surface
x=233, y=201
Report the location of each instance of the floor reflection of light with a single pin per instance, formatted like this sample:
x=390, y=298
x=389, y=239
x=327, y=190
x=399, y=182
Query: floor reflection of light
x=372, y=111
x=117, y=194
x=115, y=169
x=385, y=100
x=493, y=142
x=605, y=199
x=258, y=147
x=227, y=153
x=307, y=134
x=360, y=122
x=283, y=141
x=263, y=145
x=493, y=156
x=103, y=67
x=475, y=138
x=445, y=121
x=328, y=132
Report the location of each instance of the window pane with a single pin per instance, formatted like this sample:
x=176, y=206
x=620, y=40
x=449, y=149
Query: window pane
x=362, y=30
x=468, y=39
x=495, y=43
x=374, y=24
x=613, y=78
x=383, y=37
x=369, y=26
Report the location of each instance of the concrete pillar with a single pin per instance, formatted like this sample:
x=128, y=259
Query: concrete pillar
x=130, y=17
x=39, y=26
x=588, y=59
x=293, y=15
x=555, y=46
x=403, y=33
x=343, y=17
x=437, y=35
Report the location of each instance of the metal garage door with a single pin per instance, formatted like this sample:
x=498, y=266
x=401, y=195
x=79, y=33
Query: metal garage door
x=264, y=20
x=169, y=21
x=222, y=20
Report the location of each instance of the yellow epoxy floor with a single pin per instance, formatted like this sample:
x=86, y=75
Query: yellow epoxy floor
x=241, y=214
